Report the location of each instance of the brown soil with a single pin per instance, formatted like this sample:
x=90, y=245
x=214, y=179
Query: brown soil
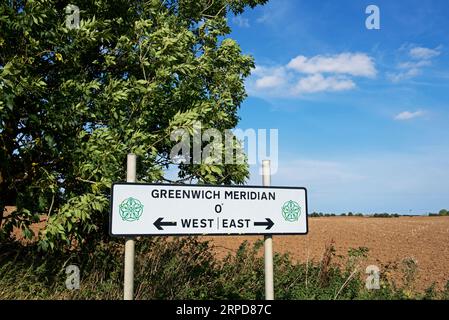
x=389, y=240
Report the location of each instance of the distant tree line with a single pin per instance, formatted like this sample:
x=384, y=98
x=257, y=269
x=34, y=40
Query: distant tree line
x=351, y=214
x=442, y=213
x=385, y=215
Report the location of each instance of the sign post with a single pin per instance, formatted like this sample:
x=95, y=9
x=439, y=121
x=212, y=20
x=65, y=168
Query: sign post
x=268, y=241
x=128, y=288
x=139, y=209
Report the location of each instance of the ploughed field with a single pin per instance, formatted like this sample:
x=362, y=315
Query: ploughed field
x=389, y=240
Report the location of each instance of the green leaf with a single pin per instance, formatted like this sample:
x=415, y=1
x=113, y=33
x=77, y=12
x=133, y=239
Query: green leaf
x=117, y=86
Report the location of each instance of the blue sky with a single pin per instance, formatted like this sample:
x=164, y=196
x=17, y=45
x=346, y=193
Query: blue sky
x=363, y=115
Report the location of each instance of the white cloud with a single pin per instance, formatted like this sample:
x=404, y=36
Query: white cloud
x=270, y=77
x=355, y=64
x=241, y=22
x=407, y=115
x=321, y=73
x=269, y=82
x=420, y=58
x=414, y=64
x=318, y=83
x=399, y=76
x=424, y=53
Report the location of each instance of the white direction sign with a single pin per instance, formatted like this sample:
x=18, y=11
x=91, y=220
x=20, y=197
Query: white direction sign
x=161, y=209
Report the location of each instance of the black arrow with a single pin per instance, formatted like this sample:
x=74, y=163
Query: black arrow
x=269, y=224
x=159, y=224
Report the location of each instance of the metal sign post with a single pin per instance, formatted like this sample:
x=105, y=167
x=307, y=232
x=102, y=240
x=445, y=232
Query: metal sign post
x=139, y=209
x=128, y=288
x=268, y=241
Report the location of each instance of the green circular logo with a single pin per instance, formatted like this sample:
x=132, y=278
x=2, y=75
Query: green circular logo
x=131, y=210
x=291, y=211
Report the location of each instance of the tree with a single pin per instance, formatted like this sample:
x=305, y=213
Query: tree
x=443, y=212
x=75, y=100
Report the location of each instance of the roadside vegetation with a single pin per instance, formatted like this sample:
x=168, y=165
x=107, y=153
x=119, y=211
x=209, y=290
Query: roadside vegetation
x=186, y=268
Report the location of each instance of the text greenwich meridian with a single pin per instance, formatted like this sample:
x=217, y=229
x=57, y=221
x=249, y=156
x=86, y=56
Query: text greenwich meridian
x=212, y=194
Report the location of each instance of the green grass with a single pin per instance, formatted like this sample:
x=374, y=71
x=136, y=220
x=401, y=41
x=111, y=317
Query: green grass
x=185, y=268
